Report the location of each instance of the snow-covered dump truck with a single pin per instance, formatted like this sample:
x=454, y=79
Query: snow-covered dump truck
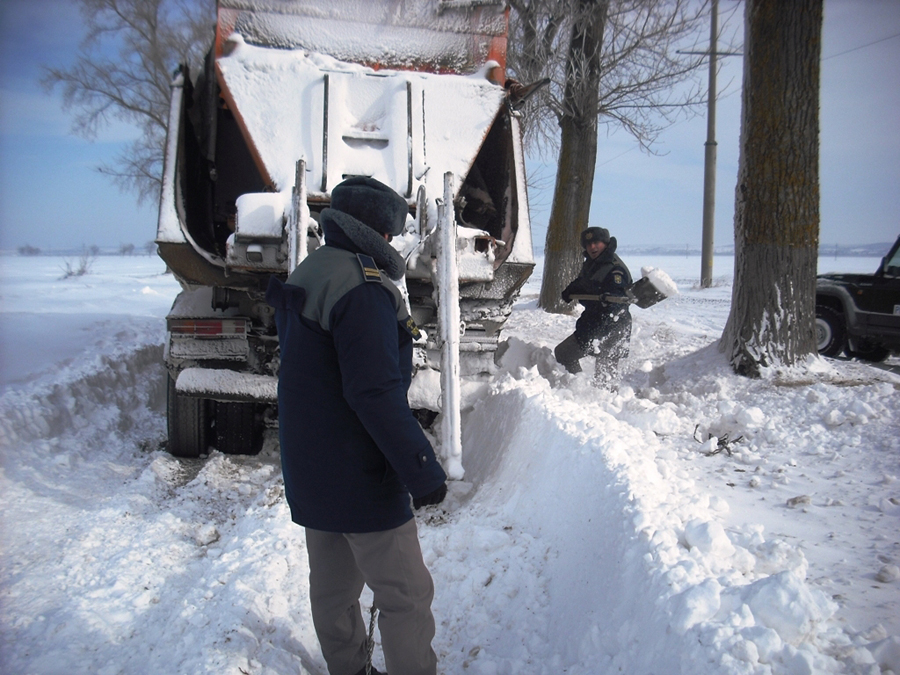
x=294, y=97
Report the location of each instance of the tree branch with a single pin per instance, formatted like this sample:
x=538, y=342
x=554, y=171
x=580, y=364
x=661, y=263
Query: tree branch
x=149, y=38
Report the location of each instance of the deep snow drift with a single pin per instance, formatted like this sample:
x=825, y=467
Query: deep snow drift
x=595, y=531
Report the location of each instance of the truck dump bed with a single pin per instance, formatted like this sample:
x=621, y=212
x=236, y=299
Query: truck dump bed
x=448, y=36
x=296, y=96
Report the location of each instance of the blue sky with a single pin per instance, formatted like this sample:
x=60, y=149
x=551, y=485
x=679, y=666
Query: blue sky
x=52, y=197
x=51, y=194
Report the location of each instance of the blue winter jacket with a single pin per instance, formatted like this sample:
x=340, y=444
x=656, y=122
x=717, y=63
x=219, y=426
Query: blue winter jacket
x=351, y=450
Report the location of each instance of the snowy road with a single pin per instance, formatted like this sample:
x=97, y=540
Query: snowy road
x=592, y=533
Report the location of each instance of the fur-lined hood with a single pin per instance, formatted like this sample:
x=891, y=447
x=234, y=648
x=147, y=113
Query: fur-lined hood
x=345, y=231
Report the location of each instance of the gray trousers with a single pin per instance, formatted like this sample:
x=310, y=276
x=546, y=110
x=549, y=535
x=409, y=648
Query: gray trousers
x=390, y=563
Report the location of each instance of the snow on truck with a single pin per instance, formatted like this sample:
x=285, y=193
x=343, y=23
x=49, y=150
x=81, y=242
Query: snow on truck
x=294, y=97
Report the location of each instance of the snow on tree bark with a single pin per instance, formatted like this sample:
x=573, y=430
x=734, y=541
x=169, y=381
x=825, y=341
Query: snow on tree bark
x=776, y=218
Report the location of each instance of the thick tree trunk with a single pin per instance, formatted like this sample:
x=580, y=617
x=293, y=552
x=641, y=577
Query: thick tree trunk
x=772, y=319
x=577, y=154
x=570, y=212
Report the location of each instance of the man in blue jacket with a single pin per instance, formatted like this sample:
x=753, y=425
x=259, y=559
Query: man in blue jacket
x=352, y=453
x=604, y=327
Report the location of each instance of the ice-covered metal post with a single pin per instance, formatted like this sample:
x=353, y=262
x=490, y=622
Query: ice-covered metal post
x=448, y=320
x=299, y=218
x=167, y=222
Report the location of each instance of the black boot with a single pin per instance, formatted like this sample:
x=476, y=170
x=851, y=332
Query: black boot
x=373, y=671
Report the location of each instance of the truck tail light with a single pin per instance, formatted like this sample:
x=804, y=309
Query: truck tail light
x=208, y=327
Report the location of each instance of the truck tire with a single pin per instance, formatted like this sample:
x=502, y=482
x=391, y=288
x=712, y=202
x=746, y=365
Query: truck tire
x=831, y=335
x=235, y=428
x=187, y=421
x=864, y=350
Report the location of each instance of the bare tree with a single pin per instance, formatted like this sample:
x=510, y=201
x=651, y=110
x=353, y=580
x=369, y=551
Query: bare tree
x=122, y=72
x=776, y=220
x=614, y=63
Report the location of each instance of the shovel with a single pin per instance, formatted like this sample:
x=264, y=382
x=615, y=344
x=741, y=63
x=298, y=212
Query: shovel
x=655, y=286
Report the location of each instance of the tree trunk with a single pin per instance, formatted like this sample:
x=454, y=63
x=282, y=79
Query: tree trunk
x=776, y=222
x=577, y=154
x=569, y=213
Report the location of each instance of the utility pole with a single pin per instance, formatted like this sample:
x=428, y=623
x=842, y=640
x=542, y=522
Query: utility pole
x=709, y=166
x=709, y=163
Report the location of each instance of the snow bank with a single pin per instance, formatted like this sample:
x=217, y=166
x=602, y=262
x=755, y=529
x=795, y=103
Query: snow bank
x=115, y=385
x=630, y=548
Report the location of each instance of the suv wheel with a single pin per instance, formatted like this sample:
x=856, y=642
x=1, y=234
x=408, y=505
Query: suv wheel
x=867, y=351
x=831, y=336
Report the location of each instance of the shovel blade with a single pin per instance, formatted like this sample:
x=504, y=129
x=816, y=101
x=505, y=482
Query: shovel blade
x=645, y=293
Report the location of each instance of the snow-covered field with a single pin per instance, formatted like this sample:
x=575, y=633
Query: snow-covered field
x=595, y=532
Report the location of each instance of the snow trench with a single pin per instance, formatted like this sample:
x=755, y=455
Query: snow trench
x=634, y=571
x=595, y=565
x=124, y=385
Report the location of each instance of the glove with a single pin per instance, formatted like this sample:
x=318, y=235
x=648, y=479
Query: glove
x=578, y=287
x=435, y=497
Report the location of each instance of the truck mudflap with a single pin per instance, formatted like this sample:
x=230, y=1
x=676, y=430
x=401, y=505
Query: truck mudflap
x=227, y=385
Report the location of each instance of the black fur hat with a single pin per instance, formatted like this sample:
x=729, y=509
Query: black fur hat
x=371, y=202
x=594, y=234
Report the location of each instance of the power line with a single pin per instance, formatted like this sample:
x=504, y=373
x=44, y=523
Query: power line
x=613, y=159
x=891, y=37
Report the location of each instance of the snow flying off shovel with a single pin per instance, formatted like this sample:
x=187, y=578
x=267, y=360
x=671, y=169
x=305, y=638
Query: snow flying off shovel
x=655, y=286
